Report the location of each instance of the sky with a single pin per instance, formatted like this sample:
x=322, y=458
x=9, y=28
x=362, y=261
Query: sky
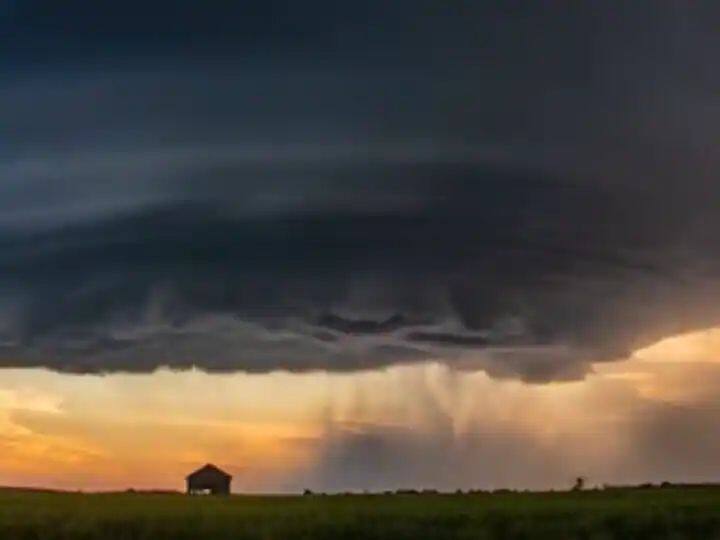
x=380, y=244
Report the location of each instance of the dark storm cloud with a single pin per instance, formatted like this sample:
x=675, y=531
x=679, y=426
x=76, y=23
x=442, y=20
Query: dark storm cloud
x=448, y=339
x=525, y=190
x=349, y=326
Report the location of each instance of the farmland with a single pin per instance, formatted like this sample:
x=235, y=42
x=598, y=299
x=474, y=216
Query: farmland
x=653, y=513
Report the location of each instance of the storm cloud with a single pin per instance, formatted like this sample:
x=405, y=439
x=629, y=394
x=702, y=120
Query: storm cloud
x=521, y=190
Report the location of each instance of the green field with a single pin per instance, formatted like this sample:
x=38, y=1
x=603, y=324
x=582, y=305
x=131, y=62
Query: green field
x=615, y=513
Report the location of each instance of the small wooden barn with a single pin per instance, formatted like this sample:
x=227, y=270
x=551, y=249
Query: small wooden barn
x=208, y=479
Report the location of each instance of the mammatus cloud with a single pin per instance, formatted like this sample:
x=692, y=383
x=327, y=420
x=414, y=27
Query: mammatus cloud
x=249, y=204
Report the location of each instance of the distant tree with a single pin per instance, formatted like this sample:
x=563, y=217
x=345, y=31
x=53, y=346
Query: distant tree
x=579, y=483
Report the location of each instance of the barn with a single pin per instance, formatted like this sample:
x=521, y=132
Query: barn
x=209, y=479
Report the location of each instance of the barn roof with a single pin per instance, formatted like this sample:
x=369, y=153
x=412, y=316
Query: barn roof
x=209, y=468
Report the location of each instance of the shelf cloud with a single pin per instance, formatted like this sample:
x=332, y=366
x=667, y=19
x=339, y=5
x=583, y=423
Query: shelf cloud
x=268, y=187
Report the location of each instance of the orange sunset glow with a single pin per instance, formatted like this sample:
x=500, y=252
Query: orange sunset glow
x=281, y=431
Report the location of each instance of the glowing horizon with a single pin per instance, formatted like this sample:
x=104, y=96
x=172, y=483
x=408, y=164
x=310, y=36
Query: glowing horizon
x=282, y=432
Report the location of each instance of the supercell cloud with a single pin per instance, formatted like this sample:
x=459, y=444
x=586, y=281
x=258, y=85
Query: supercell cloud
x=524, y=190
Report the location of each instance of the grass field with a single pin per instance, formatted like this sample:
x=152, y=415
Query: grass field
x=616, y=513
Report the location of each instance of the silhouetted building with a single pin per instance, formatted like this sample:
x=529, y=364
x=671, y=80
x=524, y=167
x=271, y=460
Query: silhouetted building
x=209, y=479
